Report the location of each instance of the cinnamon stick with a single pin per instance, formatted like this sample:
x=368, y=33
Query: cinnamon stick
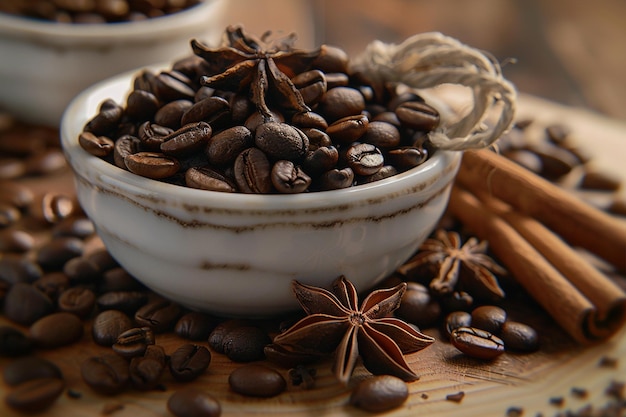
x=579, y=223
x=586, y=318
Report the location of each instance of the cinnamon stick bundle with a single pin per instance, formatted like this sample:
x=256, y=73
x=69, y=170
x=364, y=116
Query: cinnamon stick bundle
x=580, y=224
x=583, y=301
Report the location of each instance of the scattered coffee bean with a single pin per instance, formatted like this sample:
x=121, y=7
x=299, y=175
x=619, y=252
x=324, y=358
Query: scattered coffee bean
x=133, y=342
x=418, y=307
x=489, y=318
x=255, y=380
x=77, y=300
x=245, y=344
x=160, y=315
x=107, y=374
x=456, y=397
x=35, y=394
x=195, y=326
x=26, y=368
x=13, y=342
x=379, y=393
x=56, y=330
x=477, y=343
x=25, y=304
x=189, y=361
x=108, y=325
x=193, y=402
x=55, y=253
x=519, y=337
x=455, y=320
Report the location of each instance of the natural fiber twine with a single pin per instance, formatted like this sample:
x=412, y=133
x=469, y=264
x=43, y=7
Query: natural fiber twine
x=431, y=59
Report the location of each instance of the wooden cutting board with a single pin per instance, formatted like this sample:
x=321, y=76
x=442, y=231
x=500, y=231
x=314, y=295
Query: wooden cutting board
x=560, y=376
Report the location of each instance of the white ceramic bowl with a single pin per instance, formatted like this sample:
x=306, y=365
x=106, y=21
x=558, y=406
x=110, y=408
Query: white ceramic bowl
x=44, y=65
x=236, y=254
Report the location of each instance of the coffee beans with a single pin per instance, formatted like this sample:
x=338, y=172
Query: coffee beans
x=108, y=325
x=56, y=329
x=380, y=393
x=189, y=361
x=35, y=395
x=192, y=402
x=245, y=344
x=256, y=380
x=477, y=343
x=107, y=374
x=519, y=337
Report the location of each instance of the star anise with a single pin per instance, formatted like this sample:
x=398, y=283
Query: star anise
x=335, y=323
x=244, y=60
x=455, y=261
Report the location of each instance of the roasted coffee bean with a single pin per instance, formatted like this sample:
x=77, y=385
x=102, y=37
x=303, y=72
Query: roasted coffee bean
x=80, y=227
x=11, y=168
x=252, y=172
x=100, y=146
x=35, y=395
x=240, y=108
x=77, y=300
x=245, y=343
x=417, y=115
x=477, y=343
x=26, y=368
x=224, y=147
x=387, y=117
x=417, y=306
x=52, y=207
x=13, y=240
x=455, y=320
x=106, y=120
x=25, y=304
x=207, y=110
x=189, y=361
x=217, y=335
x=317, y=138
x=169, y=87
x=82, y=270
x=9, y=214
x=127, y=302
x=193, y=402
x=309, y=120
x=16, y=195
x=45, y=162
x=519, y=337
x=336, y=79
x=364, y=159
x=13, y=342
x=187, y=139
x=281, y=141
x=124, y=146
x=381, y=134
x=331, y=59
x=152, y=165
x=256, y=119
x=117, y=279
x=133, y=342
x=556, y=162
x=159, y=315
x=108, y=325
x=489, y=318
x=146, y=371
x=52, y=284
x=55, y=253
x=107, y=374
x=320, y=160
x=379, y=393
x=385, y=171
x=256, y=380
x=19, y=269
x=141, y=105
x=56, y=330
x=407, y=157
x=340, y=102
x=195, y=326
x=205, y=178
x=151, y=136
x=457, y=301
x=311, y=85
x=288, y=178
x=335, y=179
x=348, y=129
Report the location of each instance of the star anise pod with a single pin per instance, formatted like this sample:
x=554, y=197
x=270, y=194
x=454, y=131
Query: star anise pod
x=454, y=260
x=336, y=323
x=244, y=60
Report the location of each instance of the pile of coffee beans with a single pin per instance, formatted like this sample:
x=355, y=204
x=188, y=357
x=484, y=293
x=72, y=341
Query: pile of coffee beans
x=94, y=11
x=176, y=129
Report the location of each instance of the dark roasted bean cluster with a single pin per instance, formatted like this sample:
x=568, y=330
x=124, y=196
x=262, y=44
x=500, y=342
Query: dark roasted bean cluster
x=173, y=128
x=94, y=11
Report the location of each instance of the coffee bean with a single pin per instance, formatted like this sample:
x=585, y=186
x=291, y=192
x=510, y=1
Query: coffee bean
x=152, y=165
x=100, y=146
x=224, y=147
x=46, y=162
x=77, y=300
x=133, y=342
x=457, y=301
x=417, y=306
x=379, y=393
x=52, y=284
x=217, y=335
x=52, y=207
x=407, y=157
x=11, y=168
x=256, y=380
x=364, y=159
x=160, y=315
x=107, y=374
x=417, y=115
x=124, y=146
x=187, y=139
x=28, y=368
x=205, y=178
x=309, y=120
x=189, y=361
x=195, y=326
x=35, y=395
x=193, y=402
x=151, y=137
x=477, y=343
x=56, y=330
x=311, y=85
x=105, y=262
x=16, y=194
x=80, y=227
x=335, y=179
x=13, y=240
x=489, y=318
x=106, y=120
x=519, y=337
x=281, y=141
x=141, y=105
x=25, y=304
x=245, y=343
x=348, y=129
x=385, y=171
x=341, y=102
x=169, y=88
x=146, y=371
x=381, y=134
x=108, y=325
x=82, y=270
x=252, y=171
x=455, y=320
x=9, y=214
x=117, y=279
x=320, y=160
x=127, y=302
x=13, y=342
x=288, y=178
x=208, y=110
x=55, y=253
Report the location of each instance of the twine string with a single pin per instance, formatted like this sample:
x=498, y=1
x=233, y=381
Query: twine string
x=428, y=60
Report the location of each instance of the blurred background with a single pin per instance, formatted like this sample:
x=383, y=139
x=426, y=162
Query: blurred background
x=569, y=51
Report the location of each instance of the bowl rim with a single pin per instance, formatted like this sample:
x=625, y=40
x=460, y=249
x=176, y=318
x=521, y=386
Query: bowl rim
x=159, y=27
x=110, y=176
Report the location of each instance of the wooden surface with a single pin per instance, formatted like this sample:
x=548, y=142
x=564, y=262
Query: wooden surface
x=490, y=389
